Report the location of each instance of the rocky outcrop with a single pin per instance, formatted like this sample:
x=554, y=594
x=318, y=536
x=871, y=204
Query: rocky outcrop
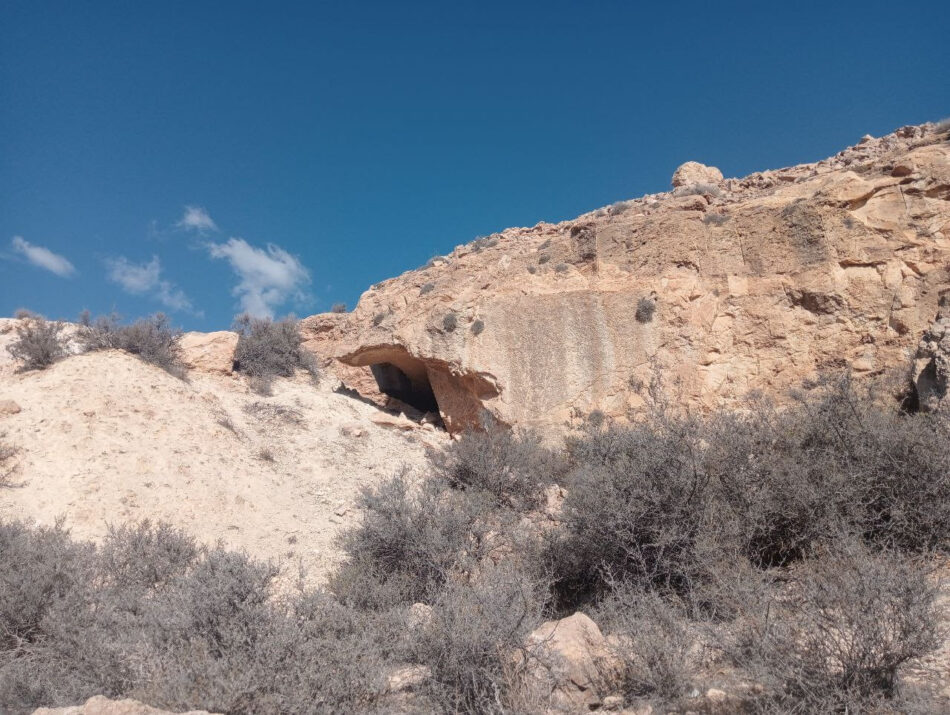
x=750, y=284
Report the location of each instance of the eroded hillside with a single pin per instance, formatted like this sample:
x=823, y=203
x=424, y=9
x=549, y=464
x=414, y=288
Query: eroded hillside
x=105, y=438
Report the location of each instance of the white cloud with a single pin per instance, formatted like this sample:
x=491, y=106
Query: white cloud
x=134, y=278
x=268, y=277
x=145, y=278
x=43, y=257
x=197, y=219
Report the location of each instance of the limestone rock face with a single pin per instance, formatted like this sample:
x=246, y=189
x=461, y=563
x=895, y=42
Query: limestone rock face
x=776, y=277
x=692, y=172
x=100, y=705
x=209, y=352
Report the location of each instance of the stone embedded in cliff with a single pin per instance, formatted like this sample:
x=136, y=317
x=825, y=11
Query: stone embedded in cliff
x=692, y=172
x=209, y=352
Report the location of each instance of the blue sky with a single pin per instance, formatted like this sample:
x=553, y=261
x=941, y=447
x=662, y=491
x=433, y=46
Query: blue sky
x=207, y=157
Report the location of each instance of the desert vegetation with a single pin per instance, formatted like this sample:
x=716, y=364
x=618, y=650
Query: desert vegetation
x=152, y=339
x=268, y=349
x=7, y=462
x=39, y=342
x=789, y=557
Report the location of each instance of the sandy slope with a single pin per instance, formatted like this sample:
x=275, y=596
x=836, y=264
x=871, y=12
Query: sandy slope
x=106, y=438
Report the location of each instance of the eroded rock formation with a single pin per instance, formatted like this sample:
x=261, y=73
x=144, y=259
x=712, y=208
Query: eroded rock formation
x=720, y=286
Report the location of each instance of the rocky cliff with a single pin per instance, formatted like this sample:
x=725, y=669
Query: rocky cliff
x=722, y=286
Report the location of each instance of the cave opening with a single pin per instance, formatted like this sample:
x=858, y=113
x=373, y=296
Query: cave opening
x=408, y=383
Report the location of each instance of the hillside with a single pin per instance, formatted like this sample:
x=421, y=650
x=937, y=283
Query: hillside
x=105, y=438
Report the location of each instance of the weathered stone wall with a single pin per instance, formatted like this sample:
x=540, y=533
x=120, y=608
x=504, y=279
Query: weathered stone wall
x=756, y=283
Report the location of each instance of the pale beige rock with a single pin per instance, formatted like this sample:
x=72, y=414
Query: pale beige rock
x=101, y=705
x=692, y=172
x=570, y=666
x=209, y=352
x=397, y=422
x=407, y=678
x=8, y=407
x=812, y=267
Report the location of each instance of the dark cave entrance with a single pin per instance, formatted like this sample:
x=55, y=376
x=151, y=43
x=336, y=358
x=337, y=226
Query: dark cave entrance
x=407, y=382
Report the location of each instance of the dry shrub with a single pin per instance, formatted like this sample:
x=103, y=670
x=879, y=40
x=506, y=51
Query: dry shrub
x=646, y=307
x=698, y=189
x=833, y=639
x=268, y=349
x=412, y=537
x=653, y=639
x=39, y=342
x=836, y=462
x=512, y=467
x=636, y=507
x=7, y=466
x=476, y=631
x=152, y=339
x=154, y=617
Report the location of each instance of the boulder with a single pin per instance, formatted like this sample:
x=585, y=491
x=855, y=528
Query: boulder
x=692, y=172
x=100, y=705
x=569, y=667
x=209, y=352
x=8, y=407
